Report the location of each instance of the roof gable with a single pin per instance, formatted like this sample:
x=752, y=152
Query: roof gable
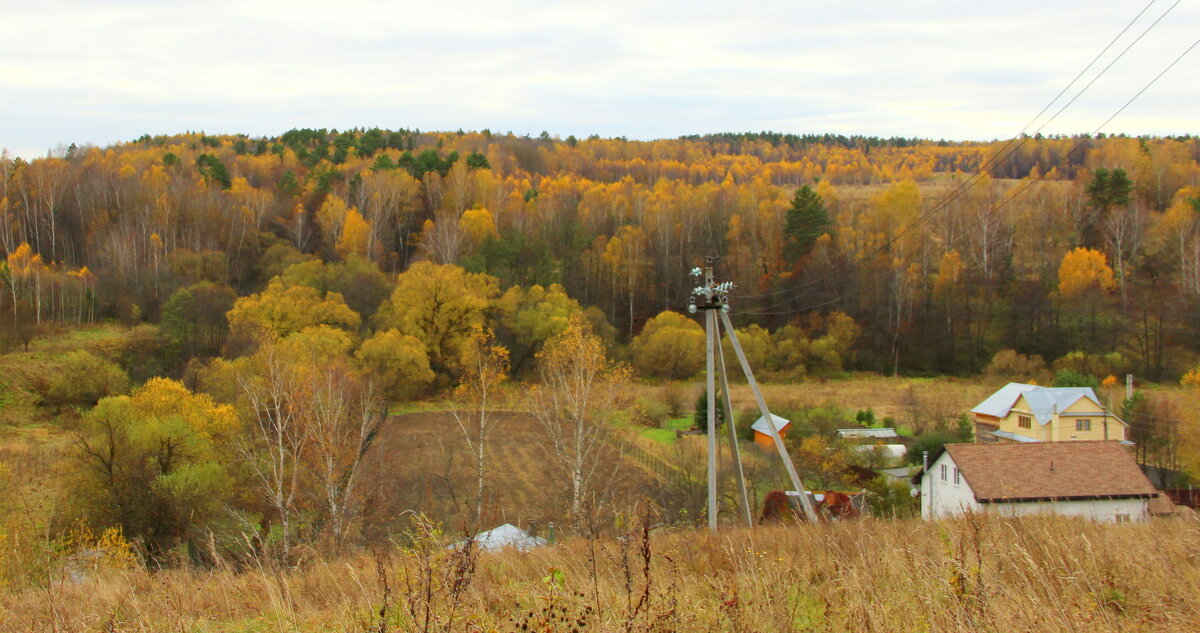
x=998, y=404
x=1049, y=470
x=1043, y=402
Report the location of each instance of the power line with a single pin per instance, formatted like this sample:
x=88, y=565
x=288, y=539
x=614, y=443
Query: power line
x=1029, y=182
x=974, y=178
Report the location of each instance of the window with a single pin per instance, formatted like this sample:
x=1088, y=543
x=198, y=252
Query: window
x=1083, y=425
x=1024, y=421
x=955, y=476
x=943, y=472
x=1121, y=518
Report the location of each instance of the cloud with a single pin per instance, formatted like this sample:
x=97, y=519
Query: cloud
x=75, y=71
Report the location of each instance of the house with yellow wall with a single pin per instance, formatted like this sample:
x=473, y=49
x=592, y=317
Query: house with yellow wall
x=1031, y=413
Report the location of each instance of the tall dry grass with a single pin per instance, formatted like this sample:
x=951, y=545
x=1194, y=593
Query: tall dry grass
x=976, y=574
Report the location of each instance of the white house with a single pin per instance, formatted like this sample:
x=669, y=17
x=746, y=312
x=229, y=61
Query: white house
x=1094, y=479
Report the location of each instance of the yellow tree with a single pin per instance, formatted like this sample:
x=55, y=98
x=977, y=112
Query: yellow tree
x=398, y=362
x=356, y=236
x=284, y=310
x=331, y=216
x=625, y=256
x=1083, y=277
x=530, y=316
x=478, y=225
x=669, y=346
x=156, y=463
x=1084, y=270
x=439, y=304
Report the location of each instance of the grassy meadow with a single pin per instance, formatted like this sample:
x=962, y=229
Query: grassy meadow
x=977, y=574
x=636, y=574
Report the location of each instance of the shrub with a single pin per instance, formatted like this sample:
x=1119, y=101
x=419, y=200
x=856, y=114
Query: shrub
x=649, y=412
x=669, y=346
x=1008, y=364
x=83, y=379
x=932, y=442
x=1067, y=378
x=674, y=397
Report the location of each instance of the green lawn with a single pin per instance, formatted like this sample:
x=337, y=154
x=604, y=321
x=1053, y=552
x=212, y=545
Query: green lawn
x=681, y=424
x=664, y=436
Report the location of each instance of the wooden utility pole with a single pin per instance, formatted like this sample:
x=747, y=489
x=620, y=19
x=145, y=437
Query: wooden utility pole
x=713, y=299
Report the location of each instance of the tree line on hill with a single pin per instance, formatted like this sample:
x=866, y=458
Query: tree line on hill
x=1100, y=252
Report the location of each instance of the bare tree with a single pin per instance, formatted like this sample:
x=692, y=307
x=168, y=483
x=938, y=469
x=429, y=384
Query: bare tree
x=276, y=436
x=343, y=414
x=579, y=387
x=485, y=366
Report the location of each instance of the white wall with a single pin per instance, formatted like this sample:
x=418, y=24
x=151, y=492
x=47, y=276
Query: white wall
x=1104, y=510
x=940, y=499
x=945, y=498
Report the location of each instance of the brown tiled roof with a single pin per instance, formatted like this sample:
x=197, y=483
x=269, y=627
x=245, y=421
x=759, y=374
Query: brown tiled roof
x=1050, y=470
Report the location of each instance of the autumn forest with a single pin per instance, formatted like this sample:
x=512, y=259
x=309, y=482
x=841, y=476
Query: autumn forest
x=940, y=253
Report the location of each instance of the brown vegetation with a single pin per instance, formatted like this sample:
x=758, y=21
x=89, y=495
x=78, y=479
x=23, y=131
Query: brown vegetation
x=976, y=574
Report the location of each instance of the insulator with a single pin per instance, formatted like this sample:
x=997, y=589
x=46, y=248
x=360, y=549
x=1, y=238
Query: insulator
x=692, y=308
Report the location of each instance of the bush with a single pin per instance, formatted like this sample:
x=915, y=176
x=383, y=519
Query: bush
x=1092, y=364
x=932, y=442
x=1066, y=378
x=83, y=379
x=669, y=346
x=674, y=397
x=649, y=412
x=891, y=499
x=1008, y=364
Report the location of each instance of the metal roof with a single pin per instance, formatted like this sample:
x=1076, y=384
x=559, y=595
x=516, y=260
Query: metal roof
x=1044, y=402
x=881, y=433
x=761, y=425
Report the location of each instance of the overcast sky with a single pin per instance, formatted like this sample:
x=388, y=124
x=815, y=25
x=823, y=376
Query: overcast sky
x=88, y=71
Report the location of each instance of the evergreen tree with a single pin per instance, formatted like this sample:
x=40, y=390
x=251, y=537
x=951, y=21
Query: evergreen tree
x=806, y=221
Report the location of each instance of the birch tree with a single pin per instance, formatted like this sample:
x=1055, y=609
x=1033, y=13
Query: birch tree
x=485, y=367
x=578, y=389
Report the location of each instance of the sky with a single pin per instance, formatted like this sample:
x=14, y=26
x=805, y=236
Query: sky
x=96, y=72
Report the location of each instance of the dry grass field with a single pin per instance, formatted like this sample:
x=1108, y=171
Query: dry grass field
x=421, y=463
x=978, y=574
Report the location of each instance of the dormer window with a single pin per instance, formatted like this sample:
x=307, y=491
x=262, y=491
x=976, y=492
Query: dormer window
x=1024, y=421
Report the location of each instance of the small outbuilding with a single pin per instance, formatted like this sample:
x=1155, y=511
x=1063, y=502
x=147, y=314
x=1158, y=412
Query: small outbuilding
x=884, y=433
x=762, y=430
x=1098, y=480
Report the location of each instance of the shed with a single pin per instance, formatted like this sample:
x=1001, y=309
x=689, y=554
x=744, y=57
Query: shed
x=871, y=434
x=762, y=430
x=1094, y=479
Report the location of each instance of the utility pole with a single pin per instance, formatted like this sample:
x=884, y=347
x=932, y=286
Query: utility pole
x=713, y=299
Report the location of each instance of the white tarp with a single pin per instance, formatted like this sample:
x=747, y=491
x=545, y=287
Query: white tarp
x=507, y=535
